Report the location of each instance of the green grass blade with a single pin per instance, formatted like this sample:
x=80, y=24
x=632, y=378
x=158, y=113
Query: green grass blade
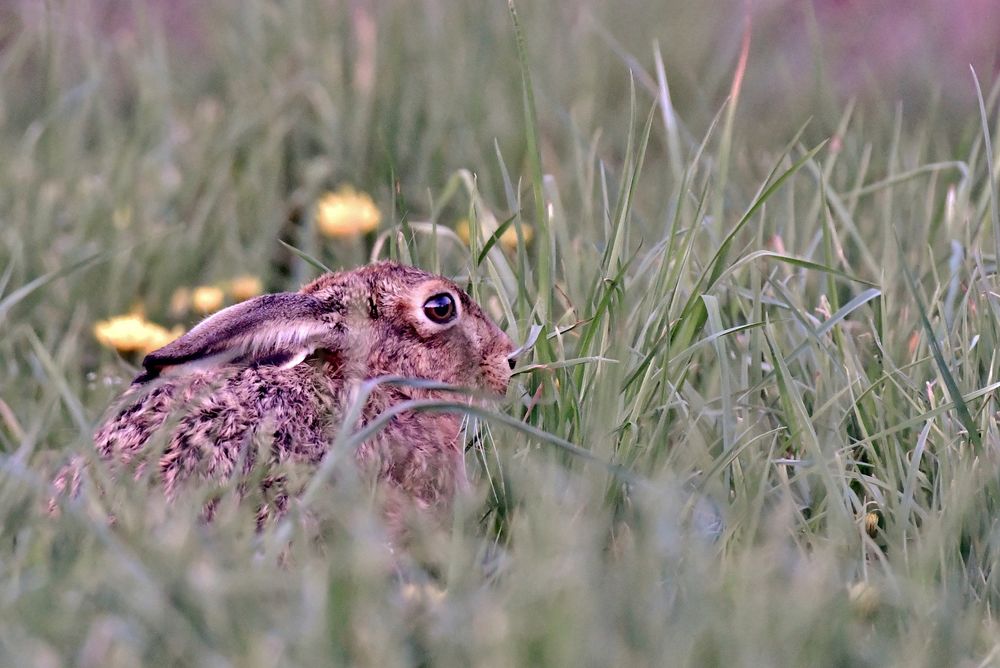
x=991, y=178
x=961, y=408
x=543, y=238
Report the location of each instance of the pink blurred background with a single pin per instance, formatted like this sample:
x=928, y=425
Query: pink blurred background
x=803, y=53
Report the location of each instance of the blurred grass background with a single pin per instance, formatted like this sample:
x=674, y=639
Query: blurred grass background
x=767, y=290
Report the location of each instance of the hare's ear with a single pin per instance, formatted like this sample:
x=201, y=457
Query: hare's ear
x=279, y=329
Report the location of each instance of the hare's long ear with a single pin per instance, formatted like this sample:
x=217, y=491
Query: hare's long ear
x=279, y=329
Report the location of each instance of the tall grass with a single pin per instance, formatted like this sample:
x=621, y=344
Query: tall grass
x=757, y=425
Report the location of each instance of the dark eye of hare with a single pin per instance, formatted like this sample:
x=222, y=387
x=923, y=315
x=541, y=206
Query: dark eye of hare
x=440, y=308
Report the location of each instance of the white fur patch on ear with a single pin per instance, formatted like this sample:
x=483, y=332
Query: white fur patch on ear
x=289, y=336
x=194, y=366
x=295, y=360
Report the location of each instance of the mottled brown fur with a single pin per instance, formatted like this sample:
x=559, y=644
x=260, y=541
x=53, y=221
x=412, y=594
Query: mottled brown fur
x=367, y=323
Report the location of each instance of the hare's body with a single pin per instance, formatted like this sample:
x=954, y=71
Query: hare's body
x=217, y=420
x=276, y=375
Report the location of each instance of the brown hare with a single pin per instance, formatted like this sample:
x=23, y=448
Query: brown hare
x=285, y=367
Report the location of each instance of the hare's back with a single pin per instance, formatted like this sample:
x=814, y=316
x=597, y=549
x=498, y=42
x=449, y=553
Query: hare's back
x=211, y=421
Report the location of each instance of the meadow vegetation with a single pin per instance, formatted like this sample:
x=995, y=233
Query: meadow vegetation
x=757, y=422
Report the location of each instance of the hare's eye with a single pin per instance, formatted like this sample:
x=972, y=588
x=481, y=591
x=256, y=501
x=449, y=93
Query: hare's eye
x=440, y=309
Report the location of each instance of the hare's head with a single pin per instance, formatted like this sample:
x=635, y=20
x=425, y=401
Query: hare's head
x=419, y=325
x=382, y=319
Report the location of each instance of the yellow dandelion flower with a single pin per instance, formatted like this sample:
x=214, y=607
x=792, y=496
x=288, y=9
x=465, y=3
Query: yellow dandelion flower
x=245, y=287
x=346, y=213
x=133, y=334
x=207, y=298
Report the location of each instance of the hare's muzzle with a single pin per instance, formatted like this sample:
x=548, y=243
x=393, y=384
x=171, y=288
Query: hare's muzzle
x=499, y=364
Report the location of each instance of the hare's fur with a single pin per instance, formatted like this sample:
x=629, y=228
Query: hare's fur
x=282, y=369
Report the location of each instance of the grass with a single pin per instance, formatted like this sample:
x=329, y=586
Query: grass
x=757, y=427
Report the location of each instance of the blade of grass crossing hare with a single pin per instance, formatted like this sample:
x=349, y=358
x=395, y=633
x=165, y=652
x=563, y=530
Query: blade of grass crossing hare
x=357, y=438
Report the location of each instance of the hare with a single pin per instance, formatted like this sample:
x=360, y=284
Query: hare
x=285, y=367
